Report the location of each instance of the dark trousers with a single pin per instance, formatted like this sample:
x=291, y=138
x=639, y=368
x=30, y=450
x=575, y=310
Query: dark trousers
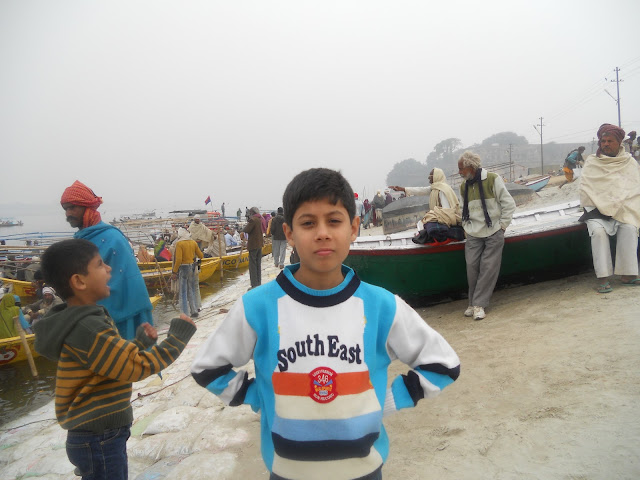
x=255, y=267
x=99, y=456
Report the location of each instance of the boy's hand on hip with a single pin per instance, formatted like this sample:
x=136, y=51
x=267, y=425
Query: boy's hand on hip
x=187, y=319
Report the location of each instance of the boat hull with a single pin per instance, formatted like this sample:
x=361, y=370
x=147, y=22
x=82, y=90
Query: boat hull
x=241, y=260
x=427, y=273
x=152, y=276
x=20, y=288
x=12, y=350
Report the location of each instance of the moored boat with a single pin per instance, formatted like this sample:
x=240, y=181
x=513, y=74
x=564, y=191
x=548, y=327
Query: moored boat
x=152, y=275
x=241, y=259
x=537, y=183
x=10, y=223
x=18, y=287
x=12, y=349
x=546, y=242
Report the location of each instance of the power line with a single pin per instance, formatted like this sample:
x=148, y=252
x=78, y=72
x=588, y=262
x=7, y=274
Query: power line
x=572, y=134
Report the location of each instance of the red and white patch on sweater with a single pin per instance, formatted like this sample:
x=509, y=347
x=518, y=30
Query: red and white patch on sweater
x=323, y=385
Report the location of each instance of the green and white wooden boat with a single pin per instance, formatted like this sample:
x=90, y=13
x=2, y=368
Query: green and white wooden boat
x=548, y=242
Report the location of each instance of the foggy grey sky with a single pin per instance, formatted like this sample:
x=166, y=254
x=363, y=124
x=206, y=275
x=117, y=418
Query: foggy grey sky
x=158, y=104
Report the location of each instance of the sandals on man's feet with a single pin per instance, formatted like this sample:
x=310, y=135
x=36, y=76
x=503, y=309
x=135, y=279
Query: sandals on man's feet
x=604, y=288
x=634, y=282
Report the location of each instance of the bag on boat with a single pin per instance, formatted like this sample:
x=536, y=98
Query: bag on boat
x=439, y=233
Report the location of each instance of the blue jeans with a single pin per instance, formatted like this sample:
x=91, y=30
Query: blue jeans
x=187, y=284
x=99, y=456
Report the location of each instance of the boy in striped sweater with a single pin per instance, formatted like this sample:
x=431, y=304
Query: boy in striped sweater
x=96, y=367
x=321, y=341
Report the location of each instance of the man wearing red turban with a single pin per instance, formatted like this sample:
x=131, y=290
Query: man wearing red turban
x=610, y=195
x=129, y=303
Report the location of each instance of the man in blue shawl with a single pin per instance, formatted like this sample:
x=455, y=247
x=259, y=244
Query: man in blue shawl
x=129, y=303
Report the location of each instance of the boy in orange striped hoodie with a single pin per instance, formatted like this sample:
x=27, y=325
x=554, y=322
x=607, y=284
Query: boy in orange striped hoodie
x=96, y=367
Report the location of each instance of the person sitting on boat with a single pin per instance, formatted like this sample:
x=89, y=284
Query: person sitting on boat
x=37, y=310
x=185, y=272
x=610, y=195
x=487, y=210
x=129, y=303
x=199, y=232
x=573, y=160
x=229, y=239
x=10, y=309
x=160, y=250
x=217, y=244
x=444, y=206
x=38, y=283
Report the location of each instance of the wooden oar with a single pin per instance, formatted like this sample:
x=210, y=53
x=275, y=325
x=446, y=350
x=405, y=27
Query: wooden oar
x=25, y=345
x=240, y=254
x=220, y=254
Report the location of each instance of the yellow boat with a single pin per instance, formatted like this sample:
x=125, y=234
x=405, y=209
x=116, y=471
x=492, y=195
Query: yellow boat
x=20, y=288
x=152, y=276
x=242, y=259
x=12, y=351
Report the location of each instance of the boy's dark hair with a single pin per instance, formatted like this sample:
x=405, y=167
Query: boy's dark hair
x=64, y=259
x=317, y=184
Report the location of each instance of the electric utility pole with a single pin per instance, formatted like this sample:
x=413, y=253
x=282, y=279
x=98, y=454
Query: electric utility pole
x=510, y=163
x=617, y=97
x=541, y=152
x=618, y=93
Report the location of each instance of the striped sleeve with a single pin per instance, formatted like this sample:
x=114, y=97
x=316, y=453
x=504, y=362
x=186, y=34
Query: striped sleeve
x=111, y=356
x=434, y=363
x=231, y=345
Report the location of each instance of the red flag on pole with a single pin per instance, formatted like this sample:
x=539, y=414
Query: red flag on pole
x=208, y=200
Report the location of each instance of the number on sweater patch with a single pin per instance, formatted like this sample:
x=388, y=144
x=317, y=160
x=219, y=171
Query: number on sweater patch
x=323, y=385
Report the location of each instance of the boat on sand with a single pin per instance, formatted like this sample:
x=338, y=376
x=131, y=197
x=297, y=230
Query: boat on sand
x=545, y=242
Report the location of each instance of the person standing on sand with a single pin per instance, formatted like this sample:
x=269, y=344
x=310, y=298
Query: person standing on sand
x=129, y=303
x=254, y=246
x=185, y=272
x=573, y=160
x=486, y=213
x=610, y=195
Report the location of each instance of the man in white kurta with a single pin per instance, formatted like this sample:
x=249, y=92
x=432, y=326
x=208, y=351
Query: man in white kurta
x=610, y=195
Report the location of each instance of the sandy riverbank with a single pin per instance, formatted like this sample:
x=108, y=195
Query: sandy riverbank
x=549, y=389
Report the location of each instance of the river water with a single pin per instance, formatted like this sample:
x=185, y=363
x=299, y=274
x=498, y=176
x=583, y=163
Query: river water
x=20, y=392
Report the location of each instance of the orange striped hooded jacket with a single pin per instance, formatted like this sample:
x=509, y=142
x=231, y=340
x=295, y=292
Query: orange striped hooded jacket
x=96, y=367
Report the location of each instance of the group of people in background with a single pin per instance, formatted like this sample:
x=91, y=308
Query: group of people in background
x=104, y=331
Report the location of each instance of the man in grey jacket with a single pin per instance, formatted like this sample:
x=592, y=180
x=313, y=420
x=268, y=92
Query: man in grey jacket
x=486, y=213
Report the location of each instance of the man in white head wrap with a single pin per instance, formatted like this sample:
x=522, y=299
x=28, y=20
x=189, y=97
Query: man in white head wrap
x=37, y=310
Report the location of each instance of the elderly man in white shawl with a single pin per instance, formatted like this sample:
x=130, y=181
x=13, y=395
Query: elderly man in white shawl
x=199, y=232
x=610, y=195
x=444, y=206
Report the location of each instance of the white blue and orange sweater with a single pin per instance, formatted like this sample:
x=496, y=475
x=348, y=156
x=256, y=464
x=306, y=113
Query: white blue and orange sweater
x=321, y=359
